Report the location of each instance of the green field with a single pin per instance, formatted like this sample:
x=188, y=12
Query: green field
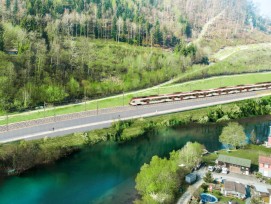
x=243, y=58
x=124, y=100
x=246, y=59
x=217, y=82
x=229, y=51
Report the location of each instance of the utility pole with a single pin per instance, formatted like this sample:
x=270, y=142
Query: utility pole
x=85, y=104
x=97, y=108
x=54, y=113
x=85, y=97
x=123, y=98
x=7, y=122
x=44, y=109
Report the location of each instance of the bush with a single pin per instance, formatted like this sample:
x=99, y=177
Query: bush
x=205, y=187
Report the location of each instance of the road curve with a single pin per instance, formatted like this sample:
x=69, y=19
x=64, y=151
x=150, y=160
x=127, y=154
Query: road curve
x=90, y=120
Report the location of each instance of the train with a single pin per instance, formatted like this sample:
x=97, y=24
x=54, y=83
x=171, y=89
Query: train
x=180, y=96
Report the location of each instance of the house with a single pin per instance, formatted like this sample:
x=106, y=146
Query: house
x=234, y=164
x=232, y=188
x=265, y=165
x=261, y=191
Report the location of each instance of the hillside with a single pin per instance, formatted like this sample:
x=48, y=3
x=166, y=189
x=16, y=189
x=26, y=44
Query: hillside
x=64, y=51
x=141, y=22
x=229, y=33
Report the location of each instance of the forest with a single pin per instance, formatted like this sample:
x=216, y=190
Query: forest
x=62, y=51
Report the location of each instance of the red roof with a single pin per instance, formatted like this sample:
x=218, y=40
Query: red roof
x=264, y=160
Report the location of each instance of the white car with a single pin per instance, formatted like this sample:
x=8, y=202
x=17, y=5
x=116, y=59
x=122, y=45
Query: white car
x=224, y=170
x=211, y=168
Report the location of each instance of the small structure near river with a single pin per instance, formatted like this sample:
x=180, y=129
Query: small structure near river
x=190, y=178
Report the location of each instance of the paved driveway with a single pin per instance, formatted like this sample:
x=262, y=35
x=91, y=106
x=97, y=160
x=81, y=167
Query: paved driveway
x=188, y=194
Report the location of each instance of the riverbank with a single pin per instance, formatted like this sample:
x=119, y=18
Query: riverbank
x=20, y=156
x=105, y=172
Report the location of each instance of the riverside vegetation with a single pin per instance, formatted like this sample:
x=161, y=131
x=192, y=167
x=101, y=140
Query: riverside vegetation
x=19, y=156
x=159, y=181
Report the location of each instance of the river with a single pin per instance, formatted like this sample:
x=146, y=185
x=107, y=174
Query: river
x=105, y=173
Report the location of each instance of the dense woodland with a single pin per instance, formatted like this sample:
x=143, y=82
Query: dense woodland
x=79, y=49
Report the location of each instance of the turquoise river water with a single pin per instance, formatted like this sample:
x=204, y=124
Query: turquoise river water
x=105, y=173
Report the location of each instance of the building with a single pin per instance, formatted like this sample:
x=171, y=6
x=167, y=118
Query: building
x=232, y=188
x=234, y=164
x=265, y=165
x=190, y=178
x=261, y=191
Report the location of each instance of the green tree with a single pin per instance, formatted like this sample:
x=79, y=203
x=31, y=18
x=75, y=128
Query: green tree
x=253, y=137
x=158, y=181
x=235, y=112
x=15, y=8
x=188, y=30
x=54, y=94
x=114, y=28
x=1, y=37
x=73, y=87
x=158, y=35
x=189, y=156
x=233, y=135
x=7, y=4
x=208, y=178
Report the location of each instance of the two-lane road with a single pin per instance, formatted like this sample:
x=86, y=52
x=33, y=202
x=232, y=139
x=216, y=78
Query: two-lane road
x=86, y=121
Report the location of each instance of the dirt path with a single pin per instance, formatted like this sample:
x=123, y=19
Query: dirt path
x=206, y=27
